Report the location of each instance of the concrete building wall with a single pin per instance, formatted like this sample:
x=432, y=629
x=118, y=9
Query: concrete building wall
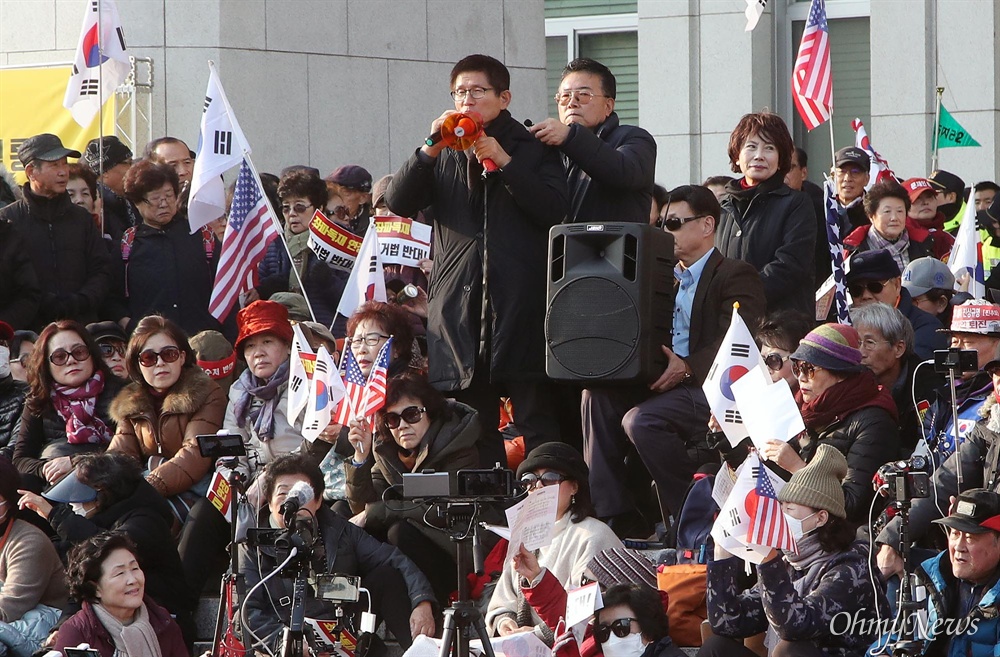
x=699, y=72
x=320, y=82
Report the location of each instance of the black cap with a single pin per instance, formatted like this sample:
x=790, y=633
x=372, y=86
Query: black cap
x=105, y=330
x=353, y=177
x=976, y=511
x=114, y=151
x=853, y=155
x=46, y=147
x=878, y=265
x=946, y=181
x=559, y=457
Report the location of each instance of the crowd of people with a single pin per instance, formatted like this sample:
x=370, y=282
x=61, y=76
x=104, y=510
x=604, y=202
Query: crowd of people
x=112, y=366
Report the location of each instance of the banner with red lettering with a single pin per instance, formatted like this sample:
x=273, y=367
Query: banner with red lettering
x=333, y=244
x=402, y=241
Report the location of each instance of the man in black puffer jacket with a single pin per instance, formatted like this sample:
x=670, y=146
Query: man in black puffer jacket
x=62, y=240
x=12, y=393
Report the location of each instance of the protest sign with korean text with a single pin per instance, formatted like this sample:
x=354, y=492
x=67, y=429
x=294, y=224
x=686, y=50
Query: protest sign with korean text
x=332, y=243
x=402, y=241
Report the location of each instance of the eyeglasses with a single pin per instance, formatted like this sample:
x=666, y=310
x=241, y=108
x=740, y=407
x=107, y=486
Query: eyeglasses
x=22, y=360
x=157, y=201
x=858, y=289
x=621, y=627
x=774, y=361
x=475, y=92
x=869, y=344
x=849, y=173
x=108, y=350
x=675, y=223
x=60, y=357
x=370, y=339
x=148, y=357
x=802, y=369
x=411, y=414
x=993, y=369
x=530, y=480
x=583, y=96
x=340, y=212
x=298, y=207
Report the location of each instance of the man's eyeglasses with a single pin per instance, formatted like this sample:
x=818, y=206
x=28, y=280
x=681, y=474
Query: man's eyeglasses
x=621, y=627
x=674, y=223
x=411, y=415
x=475, y=92
x=802, y=369
x=530, y=480
x=157, y=201
x=869, y=344
x=60, y=357
x=299, y=208
x=849, y=173
x=583, y=96
x=148, y=357
x=775, y=361
x=108, y=349
x=858, y=289
x=370, y=339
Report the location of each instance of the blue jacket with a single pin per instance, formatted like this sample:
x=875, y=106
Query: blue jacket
x=974, y=635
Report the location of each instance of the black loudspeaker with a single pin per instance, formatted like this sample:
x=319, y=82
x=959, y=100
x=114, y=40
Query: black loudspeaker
x=610, y=302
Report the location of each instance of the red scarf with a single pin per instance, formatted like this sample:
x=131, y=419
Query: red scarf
x=857, y=391
x=76, y=407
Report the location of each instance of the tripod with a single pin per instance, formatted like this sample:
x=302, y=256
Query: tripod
x=463, y=613
x=907, y=645
x=226, y=642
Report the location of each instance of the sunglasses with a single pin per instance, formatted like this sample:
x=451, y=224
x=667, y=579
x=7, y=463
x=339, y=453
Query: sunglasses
x=801, y=368
x=411, y=414
x=858, y=289
x=621, y=627
x=79, y=352
x=298, y=207
x=774, y=361
x=340, y=212
x=675, y=223
x=530, y=480
x=108, y=350
x=148, y=357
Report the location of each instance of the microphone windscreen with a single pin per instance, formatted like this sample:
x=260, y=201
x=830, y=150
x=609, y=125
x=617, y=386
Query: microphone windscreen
x=302, y=492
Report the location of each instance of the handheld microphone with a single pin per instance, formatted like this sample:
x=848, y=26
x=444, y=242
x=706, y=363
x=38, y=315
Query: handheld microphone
x=299, y=495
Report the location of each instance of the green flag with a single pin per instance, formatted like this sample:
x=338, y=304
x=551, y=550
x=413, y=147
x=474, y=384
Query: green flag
x=950, y=134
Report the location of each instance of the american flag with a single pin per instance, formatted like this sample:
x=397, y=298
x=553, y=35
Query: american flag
x=250, y=229
x=354, y=385
x=812, y=76
x=767, y=524
x=836, y=245
x=375, y=388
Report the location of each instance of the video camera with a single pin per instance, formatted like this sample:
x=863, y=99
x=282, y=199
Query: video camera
x=474, y=485
x=904, y=480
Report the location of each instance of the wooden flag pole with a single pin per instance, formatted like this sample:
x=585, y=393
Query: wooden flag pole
x=937, y=128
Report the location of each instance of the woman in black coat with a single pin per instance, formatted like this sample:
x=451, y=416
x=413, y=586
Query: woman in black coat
x=764, y=222
x=67, y=410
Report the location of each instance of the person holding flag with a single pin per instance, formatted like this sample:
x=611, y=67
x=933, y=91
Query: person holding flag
x=417, y=429
x=799, y=592
x=668, y=420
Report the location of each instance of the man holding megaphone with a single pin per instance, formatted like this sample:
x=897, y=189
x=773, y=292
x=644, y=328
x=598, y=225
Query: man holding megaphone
x=486, y=306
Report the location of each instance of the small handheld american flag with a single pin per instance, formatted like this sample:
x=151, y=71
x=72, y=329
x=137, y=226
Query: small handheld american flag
x=767, y=524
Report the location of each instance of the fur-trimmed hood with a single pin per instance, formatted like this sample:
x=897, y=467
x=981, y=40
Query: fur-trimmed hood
x=990, y=411
x=186, y=397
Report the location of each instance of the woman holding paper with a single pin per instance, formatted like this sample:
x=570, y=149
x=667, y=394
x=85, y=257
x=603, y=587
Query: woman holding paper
x=842, y=405
x=577, y=537
x=802, y=596
x=417, y=429
x=301, y=194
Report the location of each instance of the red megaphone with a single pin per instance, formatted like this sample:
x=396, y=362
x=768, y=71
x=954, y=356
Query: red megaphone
x=461, y=130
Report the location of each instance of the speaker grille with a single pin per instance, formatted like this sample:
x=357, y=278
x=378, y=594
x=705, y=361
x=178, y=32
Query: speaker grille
x=592, y=327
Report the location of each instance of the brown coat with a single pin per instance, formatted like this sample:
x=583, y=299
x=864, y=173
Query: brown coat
x=194, y=406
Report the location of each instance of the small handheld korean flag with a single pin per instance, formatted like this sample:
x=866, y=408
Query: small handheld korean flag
x=966, y=259
x=299, y=375
x=221, y=147
x=367, y=281
x=325, y=393
x=733, y=522
x=737, y=355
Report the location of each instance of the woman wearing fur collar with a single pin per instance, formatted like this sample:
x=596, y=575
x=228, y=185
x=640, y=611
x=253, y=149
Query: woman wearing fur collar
x=169, y=402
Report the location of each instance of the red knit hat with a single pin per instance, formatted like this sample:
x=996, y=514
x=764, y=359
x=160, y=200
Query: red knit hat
x=263, y=317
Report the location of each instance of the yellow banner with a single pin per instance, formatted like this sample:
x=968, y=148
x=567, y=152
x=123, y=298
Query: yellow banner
x=31, y=102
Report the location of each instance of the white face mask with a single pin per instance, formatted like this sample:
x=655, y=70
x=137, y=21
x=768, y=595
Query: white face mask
x=630, y=646
x=79, y=509
x=4, y=362
x=795, y=526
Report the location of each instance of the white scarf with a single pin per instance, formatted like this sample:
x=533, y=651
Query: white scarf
x=137, y=639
